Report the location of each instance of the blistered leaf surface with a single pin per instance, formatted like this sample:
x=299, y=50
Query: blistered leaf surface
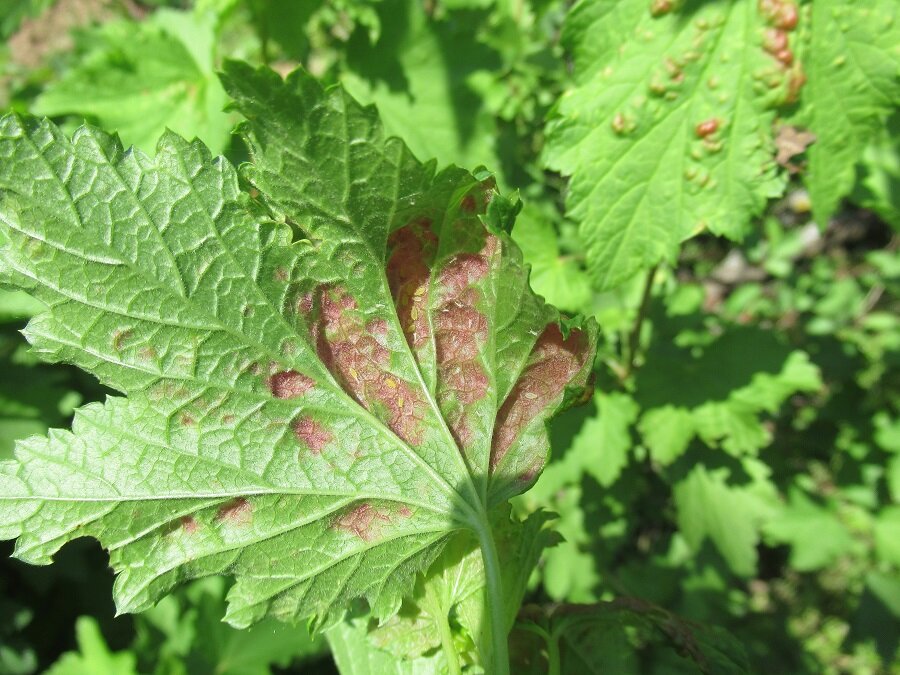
x=666, y=132
x=852, y=64
x=321, y=384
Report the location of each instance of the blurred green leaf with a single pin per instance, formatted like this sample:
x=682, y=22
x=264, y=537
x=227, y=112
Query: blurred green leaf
x=139, y=79
x=32, y=399
x=603, y=441
x=614, y=637
x=354, y=654
x=559, y=277
x=13, y=13
x=185, y=633
x=18, y=305
x=817, y=537
x=93, y=656
x=878, y=180
x=887, y=535
x=729, y=515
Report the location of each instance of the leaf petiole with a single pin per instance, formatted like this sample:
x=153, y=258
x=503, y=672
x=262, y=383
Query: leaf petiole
x=496, y=618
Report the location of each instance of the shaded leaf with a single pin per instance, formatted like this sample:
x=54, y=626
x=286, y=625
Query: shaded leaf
x=417, y=75
x=604, y=441
x=612, y=637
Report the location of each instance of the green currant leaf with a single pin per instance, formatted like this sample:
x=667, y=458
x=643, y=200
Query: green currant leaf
x=324, y=379
x=667, y=129
x=852, y=65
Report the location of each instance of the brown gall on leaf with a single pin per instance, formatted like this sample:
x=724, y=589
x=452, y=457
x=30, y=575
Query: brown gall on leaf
x=238, y=511
x=289, y=384
x=312, y=434
x=661, y=7
x=554, y=361
x=361, y=520
x=706, y=128
x=358, y=360
x=775, y=40
x=779, y=13
x=777, y=44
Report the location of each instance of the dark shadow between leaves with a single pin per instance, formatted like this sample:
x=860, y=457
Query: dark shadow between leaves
x=693, y=376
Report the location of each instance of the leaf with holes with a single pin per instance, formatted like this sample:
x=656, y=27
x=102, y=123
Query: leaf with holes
x=325, y=378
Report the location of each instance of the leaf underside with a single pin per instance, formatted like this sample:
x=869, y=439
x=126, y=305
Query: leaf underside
x=325, y=376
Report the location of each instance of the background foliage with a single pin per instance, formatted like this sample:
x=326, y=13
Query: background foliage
x=715, y=181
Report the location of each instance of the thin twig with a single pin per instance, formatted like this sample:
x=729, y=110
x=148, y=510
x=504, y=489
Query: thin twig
x=634, y=339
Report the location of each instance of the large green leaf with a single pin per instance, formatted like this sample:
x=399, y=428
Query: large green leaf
x=324, y=380
x=665, y=133
x=852, y=64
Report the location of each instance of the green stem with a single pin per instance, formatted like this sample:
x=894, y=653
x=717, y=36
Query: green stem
x=634, y=339
x=553, y=655
x=448, y=647
x=496, y=618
